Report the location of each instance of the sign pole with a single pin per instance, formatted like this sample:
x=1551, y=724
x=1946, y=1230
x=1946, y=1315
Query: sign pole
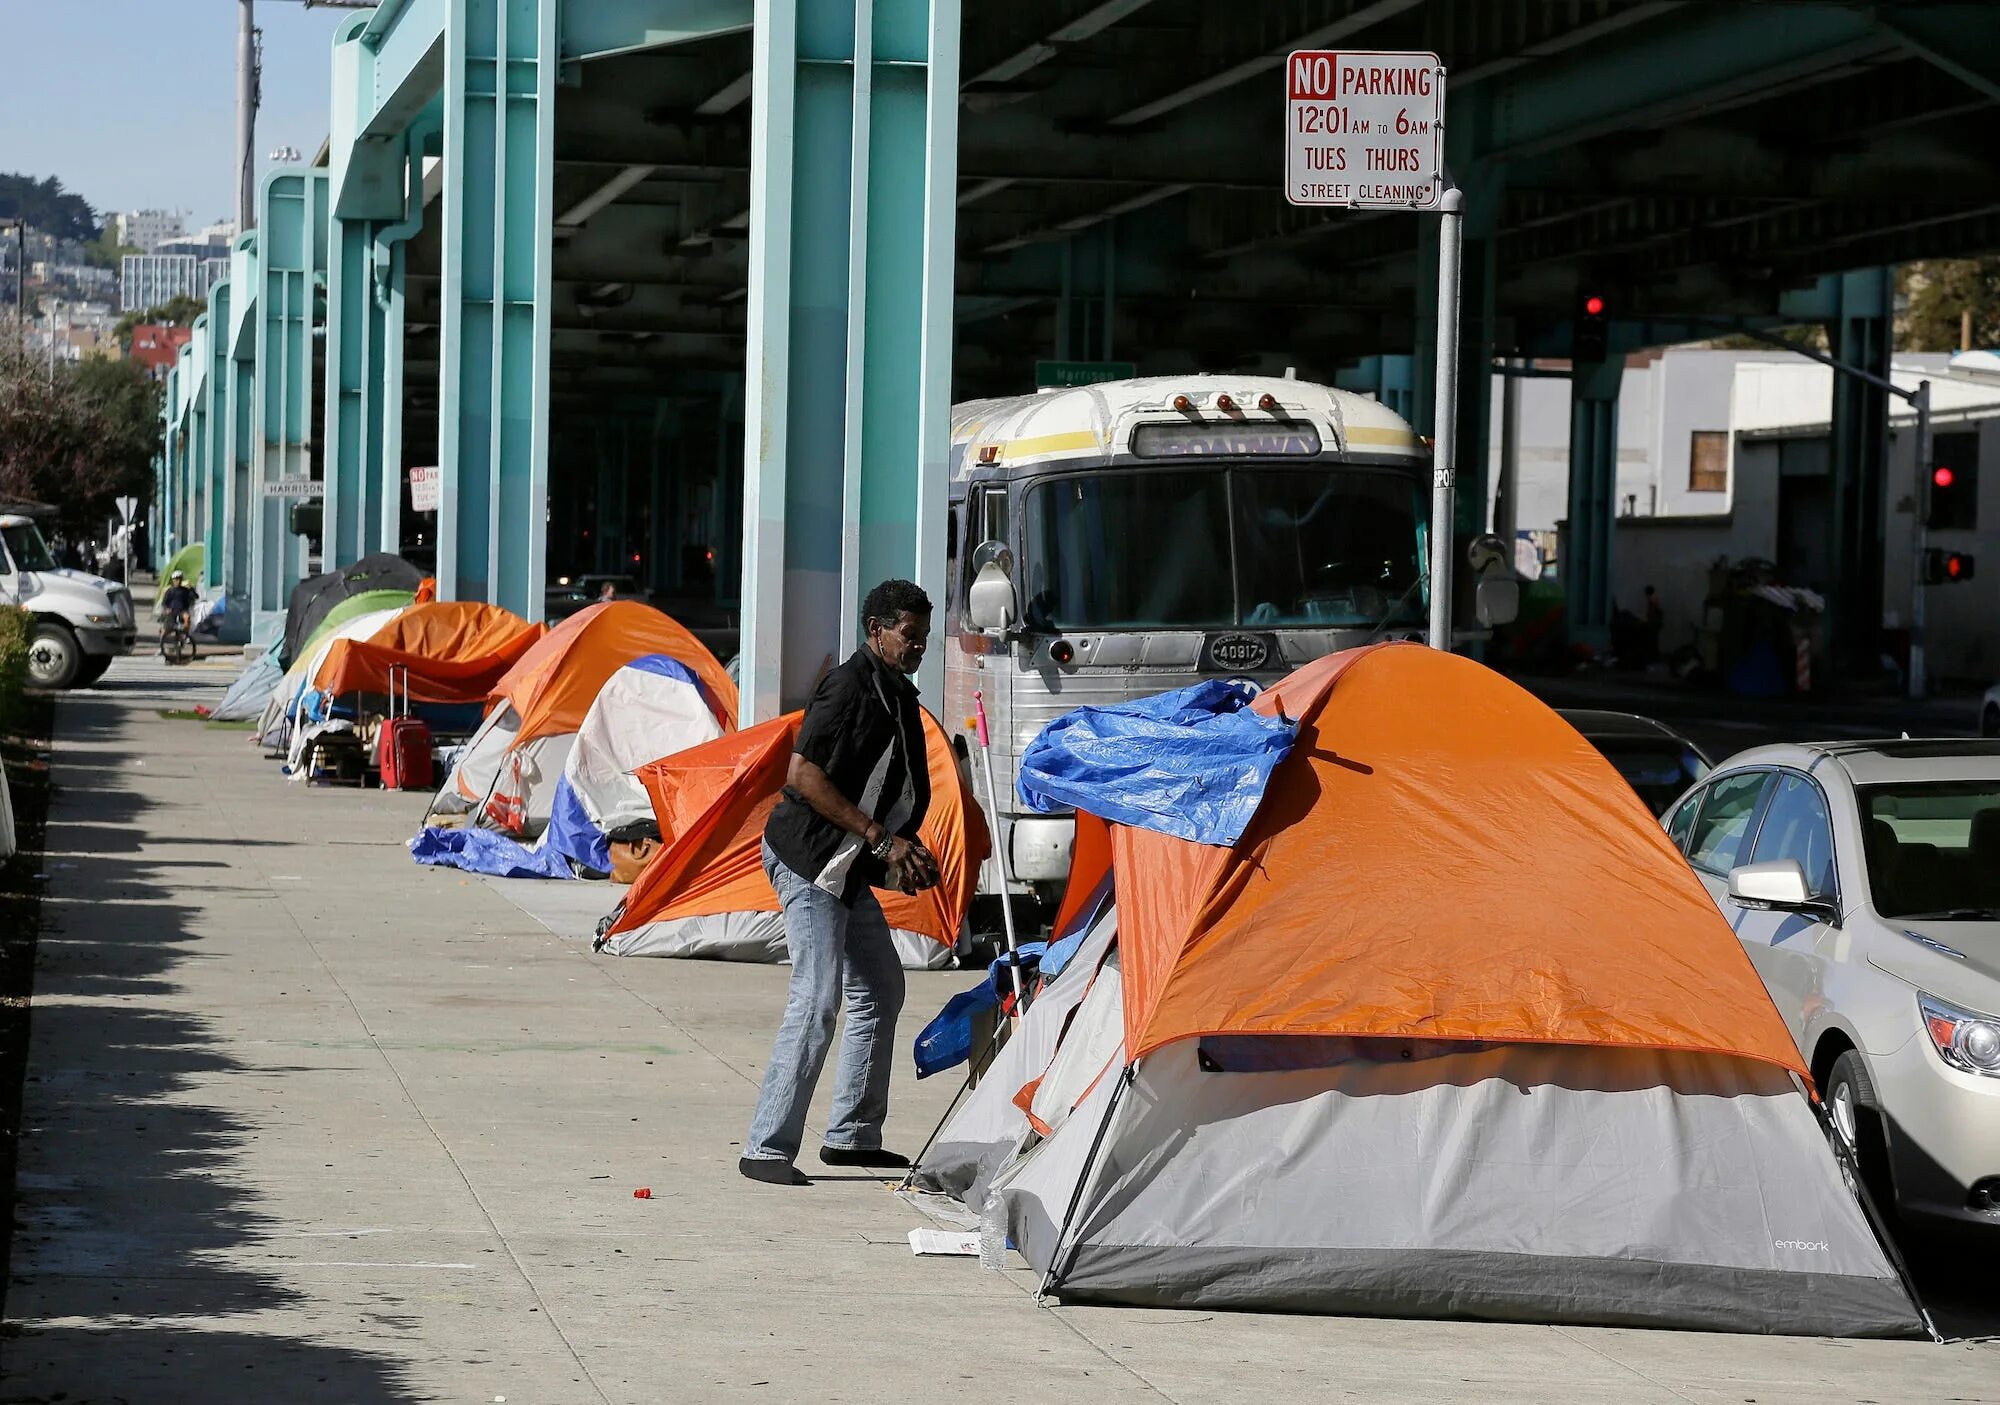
x=1920, y=529
x=1444, y=417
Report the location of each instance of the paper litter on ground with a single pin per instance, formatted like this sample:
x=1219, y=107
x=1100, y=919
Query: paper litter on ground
x=941, y=1241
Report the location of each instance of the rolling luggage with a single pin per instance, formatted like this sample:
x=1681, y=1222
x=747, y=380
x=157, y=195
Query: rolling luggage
x=403, y=747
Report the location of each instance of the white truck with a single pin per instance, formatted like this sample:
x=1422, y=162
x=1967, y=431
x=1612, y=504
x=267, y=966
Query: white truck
x=82, y=622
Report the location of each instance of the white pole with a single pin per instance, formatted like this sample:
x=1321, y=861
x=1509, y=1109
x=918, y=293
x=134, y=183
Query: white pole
x=999, y=848
x=1444, y=417
x=1920, y=537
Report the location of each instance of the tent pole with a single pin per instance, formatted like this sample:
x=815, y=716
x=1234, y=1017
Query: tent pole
x=1845, y=1155
x=973, y=1068
x=1000, y=857
x=1056, y=1264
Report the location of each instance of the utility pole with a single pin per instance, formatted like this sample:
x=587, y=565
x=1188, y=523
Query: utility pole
x=246, y=115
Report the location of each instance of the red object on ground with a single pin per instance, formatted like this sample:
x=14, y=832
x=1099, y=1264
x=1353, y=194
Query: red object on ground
x=644, y=1192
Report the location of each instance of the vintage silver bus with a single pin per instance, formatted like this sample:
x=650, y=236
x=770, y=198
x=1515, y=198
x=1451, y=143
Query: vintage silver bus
x=1115, y=540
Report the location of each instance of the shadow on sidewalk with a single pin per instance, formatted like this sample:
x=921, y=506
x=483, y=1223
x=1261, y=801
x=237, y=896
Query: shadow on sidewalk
x=133, y=1209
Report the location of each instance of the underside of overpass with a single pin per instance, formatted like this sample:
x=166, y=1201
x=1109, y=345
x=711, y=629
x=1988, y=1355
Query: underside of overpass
x=1111, y=192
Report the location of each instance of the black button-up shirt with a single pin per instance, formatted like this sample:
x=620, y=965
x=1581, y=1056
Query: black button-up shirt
x=863, y=728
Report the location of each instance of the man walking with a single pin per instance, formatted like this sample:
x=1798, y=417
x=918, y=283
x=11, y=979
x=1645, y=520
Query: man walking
x=856, y=791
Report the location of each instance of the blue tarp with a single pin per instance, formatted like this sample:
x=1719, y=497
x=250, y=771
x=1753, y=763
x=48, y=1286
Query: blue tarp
x=946, y=1041
x=1192, y=763
x=483, y=851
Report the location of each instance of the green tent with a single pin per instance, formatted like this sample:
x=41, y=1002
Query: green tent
x=367, y=602
x=191, y=559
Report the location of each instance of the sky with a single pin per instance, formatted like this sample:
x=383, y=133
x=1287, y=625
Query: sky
x=132, y=103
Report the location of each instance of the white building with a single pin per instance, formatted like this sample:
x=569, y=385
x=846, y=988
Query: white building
x=1726, y=456
x=148, y=280
x=148, y=229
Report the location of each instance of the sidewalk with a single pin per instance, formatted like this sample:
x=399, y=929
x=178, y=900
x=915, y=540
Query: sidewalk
x=308, y=1123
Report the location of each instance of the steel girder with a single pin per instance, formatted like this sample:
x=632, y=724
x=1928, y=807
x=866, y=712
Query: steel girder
x=855, y=122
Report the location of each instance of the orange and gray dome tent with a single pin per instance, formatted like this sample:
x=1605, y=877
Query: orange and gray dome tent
x=506, y=777
x=1462, y=1036
x=454, y=651
x=705, y=894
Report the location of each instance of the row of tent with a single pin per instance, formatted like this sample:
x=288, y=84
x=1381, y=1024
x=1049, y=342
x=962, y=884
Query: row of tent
x=1450, y=1030
x=1432, y=1020
x=614, y=730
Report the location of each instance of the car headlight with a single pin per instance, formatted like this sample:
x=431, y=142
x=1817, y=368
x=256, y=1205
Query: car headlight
x=1966, y=1041
x=102, y=619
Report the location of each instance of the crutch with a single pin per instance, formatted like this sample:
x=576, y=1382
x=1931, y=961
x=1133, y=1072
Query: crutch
x=999, y=852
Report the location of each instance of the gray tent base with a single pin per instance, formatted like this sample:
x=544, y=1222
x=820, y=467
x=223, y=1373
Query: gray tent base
x=1491, y=1287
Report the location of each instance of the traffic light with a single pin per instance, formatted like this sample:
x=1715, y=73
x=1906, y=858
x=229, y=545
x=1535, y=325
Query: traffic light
x=307, y=518
x=1943, y=567
x=1592, y=335
x=1953, y=491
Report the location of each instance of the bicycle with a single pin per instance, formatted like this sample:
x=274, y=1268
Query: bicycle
x=176, y=640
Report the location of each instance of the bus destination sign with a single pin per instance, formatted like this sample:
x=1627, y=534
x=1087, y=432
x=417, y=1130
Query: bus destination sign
x=1364, y=130
x=1172, y=441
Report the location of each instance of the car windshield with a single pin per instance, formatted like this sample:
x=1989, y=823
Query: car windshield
x=1660, y=771
x=1221, y=547
x=1933, y=848
x=25, y=545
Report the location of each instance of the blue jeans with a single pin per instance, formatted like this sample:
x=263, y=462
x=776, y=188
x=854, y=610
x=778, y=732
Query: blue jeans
x=836, y=949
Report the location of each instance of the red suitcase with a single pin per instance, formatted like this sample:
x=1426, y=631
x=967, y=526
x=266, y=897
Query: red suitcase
x=403, y=747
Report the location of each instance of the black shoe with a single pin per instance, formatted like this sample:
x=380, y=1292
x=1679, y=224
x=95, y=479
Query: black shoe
x=862, y=1156
x=771, y=1172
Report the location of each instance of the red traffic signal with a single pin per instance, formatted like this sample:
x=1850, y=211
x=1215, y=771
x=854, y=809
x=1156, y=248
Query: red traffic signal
x=1943, y=476
x=1593, y=306
x=1943, y=567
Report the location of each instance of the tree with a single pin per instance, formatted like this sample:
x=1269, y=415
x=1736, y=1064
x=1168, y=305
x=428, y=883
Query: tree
x=1941, y=292
x=78, y=441
x=106, y=252
x=178, y=311
x=46, y=206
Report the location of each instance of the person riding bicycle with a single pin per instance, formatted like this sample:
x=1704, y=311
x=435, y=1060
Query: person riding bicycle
x=177, y=601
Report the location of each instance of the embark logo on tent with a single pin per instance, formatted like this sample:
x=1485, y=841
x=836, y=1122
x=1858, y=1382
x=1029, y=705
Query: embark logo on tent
x=1817, y=1246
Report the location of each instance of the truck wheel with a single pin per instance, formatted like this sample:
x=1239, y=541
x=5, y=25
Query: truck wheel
x=94, y=667
x=54, y=657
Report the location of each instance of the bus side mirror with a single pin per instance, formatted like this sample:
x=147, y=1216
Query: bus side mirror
x=989, y=604
x=1497, y=600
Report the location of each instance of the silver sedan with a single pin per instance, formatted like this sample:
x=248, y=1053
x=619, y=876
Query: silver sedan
x=1863, y=879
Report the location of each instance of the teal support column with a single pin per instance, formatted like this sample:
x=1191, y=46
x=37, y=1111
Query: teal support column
x=493, y=429
x=355, y=355
x=292, y=250
x=198, y=437
x=221, y=436
x=238, y=518
x=168, y=531
x=1585, y=565
x=388, y=265
x=854, y=138
x=1860, y=332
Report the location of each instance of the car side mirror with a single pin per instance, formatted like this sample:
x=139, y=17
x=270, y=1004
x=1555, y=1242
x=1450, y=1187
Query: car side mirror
x=1497, y=600
x=1777, y=886
x=989, y=604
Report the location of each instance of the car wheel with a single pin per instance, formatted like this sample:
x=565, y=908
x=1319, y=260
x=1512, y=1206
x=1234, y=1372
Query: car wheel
x=1857, y=1123
x=54, y=657
x=1989, y=721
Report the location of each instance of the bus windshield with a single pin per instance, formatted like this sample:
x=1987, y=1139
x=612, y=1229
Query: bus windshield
x=1222, y=547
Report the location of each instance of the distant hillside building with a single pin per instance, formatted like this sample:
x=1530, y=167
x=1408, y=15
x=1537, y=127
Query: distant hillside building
x=157, y=347
x=150, y=280
x=148, y=229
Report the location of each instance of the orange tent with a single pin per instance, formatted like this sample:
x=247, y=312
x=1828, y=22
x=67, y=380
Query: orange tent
x=1555, y=909
x=712, y=801
x=552, y=685
x=455, y=651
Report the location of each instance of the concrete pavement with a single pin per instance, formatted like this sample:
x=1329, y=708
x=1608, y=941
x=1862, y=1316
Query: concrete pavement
x=308, y=1123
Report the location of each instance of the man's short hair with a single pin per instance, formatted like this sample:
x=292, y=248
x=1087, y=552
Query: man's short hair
x=892, y=598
